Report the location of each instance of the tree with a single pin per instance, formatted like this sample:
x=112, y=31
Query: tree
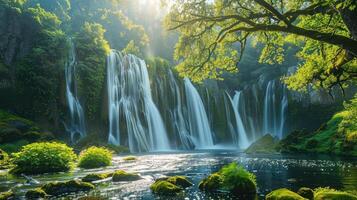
x=213, y=36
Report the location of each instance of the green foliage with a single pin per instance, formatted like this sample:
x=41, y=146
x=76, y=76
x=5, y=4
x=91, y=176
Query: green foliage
x=60, y=8
x=348, y=125
x=95, y=157
x=283, y=194
x=232, y=178
x=4, y=159
x=7, y=195
x=60, y=188
x=91, y=49
x=213, y=36
x=121, y=175
x=43, y=157
x=164, y=188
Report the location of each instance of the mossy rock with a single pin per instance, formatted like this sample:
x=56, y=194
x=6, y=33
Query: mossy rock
x=283, y=194
x=7, y=195
x=130, y=158
x=180, y=181
x=334, y=195
x=121, y=175
x=266, y=144
x=306, y=193
x=36, y=193
x=162, y=187
x=96, y=177
x=212, y=183
x=59, y=188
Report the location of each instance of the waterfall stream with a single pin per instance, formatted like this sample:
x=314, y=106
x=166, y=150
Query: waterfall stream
x=131, y=107
x=77, y=122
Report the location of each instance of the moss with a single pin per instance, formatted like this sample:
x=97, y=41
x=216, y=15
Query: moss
x=306, y=193
x=331, y=194
x=14, y=146
x=4, y=158
x=212, y=183
x=59, y=188
x=36, y=193
x=129, y=158
x=162, y=187
x=95, y=157
x=9, y=135
x=283, y=194
x=180, y=181
x=7, y=195
x=266, y=144
x=96, y=177
x=121, y=175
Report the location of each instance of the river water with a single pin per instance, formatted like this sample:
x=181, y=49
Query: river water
x=272, y=172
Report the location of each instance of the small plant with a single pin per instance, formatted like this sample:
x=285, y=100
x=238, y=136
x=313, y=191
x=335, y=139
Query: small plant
x=95, y=157
x=43, y=157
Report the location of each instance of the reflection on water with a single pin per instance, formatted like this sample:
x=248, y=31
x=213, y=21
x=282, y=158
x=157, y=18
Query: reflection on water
x=272, y=171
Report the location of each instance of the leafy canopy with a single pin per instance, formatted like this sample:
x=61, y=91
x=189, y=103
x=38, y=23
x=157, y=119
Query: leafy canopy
x=214, y=34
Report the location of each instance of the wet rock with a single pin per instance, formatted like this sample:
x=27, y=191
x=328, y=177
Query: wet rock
x=164, y=188
x=334, y=195
x=36, y=193
x=212, y=183
x=7, y=195
x=121, y=175
x=266, y=144
x=96, y=177
x=59, y=188
x=283, y=194
x=306, y=193
x=180, y=181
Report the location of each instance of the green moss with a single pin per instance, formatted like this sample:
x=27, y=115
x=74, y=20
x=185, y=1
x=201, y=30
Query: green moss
x=232, y=178
x=283, y=194
x=59, y=188
x=331, y=194
x=43, y=157
x=36, y=193
x=7, y=195
x=266, y=144
x=95, y=157
x=180, y=181
x=96, y=177
x=306, y=193
x=121, y=175
x=162, y=187
x=129, y=158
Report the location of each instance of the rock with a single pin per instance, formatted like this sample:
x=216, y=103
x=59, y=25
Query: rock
x=283, y=194
x=306, y=193
x=180, y=181
x=212, y=183
x=96, y=177
x=121, y=175
x=265, y=144
x=36, y=193
x=130, y=158
x=334, y=195
x=164, y=188
x=7, y=195
x=59, y=188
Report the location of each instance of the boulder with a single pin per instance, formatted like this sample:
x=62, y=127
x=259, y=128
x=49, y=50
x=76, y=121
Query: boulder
x=283, y=194
x=36, y=193
x=121, y=175
x=266, y=144
x=334, y=195
x=212, y=183
x=180, y=181
x=306, y=193
x=96, y=177
x=59, y=188
x=164, y=188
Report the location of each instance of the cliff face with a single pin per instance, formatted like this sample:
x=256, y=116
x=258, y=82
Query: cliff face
x=17, y=34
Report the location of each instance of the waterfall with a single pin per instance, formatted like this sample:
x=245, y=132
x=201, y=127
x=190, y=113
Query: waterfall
x=77, y=124
x=240, y=130
x=179, y=121
x=275, y=107
x=130, y=104
x=198, y=121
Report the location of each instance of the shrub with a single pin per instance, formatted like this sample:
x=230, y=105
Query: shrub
x=95, y=157
x=44, y=157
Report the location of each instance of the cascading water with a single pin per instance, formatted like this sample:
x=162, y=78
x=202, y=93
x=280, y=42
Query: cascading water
x=77, y=122
x=129, y=97
x=199, y=126
x=240, y=130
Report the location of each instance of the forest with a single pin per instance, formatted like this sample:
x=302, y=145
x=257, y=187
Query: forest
x=178, y=99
